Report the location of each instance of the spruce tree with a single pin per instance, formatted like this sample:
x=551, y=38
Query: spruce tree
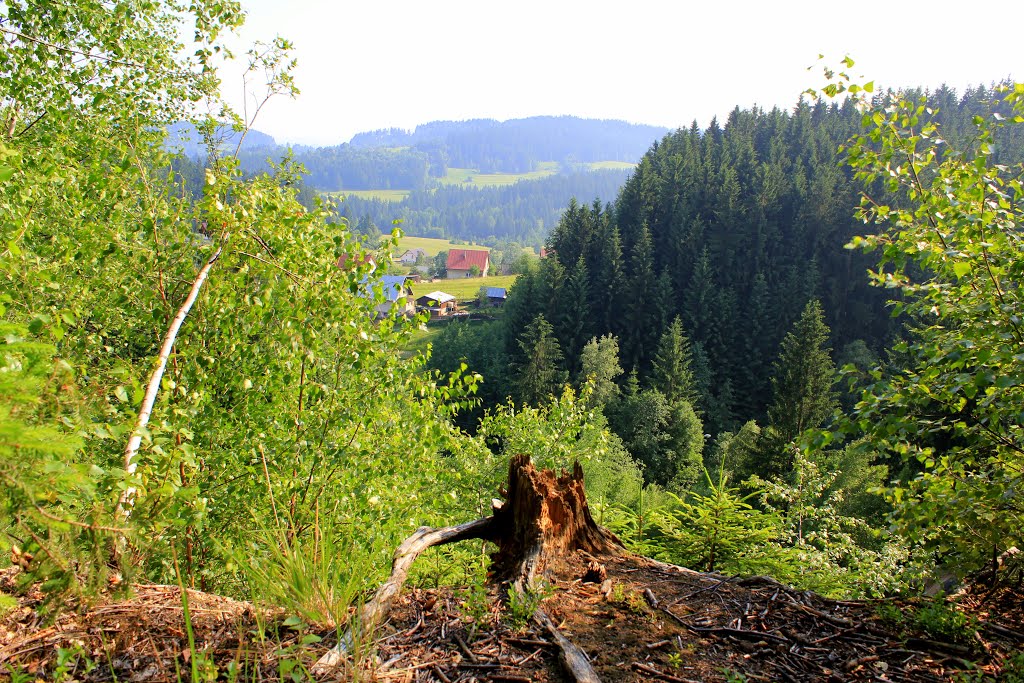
x=672, y=374
x=607, y=279
x=640, y=315
x=804, y=374
x=573, y=322
x=539, y=375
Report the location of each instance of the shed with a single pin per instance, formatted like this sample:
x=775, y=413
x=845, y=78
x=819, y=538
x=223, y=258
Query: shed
x=439, y=304
x=496, y=296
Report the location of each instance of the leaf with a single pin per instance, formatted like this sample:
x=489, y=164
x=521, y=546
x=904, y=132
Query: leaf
x=6, y=172
x=961, y=268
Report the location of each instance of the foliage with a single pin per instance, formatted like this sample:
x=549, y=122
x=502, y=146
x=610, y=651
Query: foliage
x=718, y=530
x=599, y=365
x=286, y=418
x=837, y=553
x=556, y=434
x=672, y=375
x=942, y=621
x=950, y=249
x=439, y=265
x=523, y=604
x=802, y=394
x=665, y=438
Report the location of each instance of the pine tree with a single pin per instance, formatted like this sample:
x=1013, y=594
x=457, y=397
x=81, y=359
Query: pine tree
x=540, y=374
x=573, y=321
x=640, y=315
x=520, y=308
x=608, y=280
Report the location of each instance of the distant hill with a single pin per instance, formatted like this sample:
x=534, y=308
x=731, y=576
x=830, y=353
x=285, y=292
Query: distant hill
x=446, y=169
x=518, y=145
x=183, y=136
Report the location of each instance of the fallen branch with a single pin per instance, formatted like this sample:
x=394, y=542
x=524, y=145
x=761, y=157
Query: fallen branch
x=127, y=499
x=373, y=612
x=573, y=659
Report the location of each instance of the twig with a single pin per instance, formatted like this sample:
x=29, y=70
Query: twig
x=465, y=649
x=651, y=671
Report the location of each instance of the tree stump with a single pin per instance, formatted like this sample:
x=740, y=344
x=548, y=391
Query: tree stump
x=543, y=518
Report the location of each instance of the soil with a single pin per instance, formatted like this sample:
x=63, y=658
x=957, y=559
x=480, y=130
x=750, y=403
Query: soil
x=651, y=622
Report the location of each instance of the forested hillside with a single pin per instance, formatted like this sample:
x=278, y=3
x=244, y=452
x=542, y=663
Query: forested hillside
x=518, y=145
x=732, y=230
x=416, y=161
x=408, y=160
x=524, y=211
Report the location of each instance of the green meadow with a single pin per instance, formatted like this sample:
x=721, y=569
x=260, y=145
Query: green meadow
x=473, y=178
x=463, y=289
x=382, y=195
x=431, y=245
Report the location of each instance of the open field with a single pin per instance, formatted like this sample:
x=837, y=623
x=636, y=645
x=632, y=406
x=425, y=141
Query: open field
x=610, y=165
x=383, y=195
x=463, y=289
x=420, y=338
x=468, y=177
x=432, y=245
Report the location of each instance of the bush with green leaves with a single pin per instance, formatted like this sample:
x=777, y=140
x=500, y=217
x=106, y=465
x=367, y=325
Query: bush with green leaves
x=947, y=230
x=286, y=423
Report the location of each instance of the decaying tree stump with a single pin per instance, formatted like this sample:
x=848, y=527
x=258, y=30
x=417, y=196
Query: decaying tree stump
x=543, y=517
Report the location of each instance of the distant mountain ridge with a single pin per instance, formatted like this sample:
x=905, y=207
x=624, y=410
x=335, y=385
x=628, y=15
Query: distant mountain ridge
x=398, y=159
x=183, y=136
x=518, y=145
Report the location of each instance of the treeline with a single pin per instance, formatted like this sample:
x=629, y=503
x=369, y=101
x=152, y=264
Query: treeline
x=346, y=167
x=523, y=212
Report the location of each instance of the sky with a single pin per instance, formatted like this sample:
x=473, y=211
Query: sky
x=376, y=64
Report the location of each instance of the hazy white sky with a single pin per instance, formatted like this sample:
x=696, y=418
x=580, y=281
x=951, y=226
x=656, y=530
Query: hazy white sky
x=382, y=63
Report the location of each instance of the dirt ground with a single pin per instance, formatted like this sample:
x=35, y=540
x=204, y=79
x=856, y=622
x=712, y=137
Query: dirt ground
x=637, y=620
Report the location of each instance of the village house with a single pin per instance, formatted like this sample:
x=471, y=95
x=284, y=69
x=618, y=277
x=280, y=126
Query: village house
x=439, y=304
x=398, y=296
x=462, y=261
x=411, y=256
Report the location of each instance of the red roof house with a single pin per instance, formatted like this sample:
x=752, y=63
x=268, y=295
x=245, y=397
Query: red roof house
x=460, y=261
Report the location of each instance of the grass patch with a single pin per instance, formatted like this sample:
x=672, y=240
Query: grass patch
x=468, y=177
x=610, y=165
x=382, y=195
x=431, y=245
x=463, y=289
x=420, y=337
